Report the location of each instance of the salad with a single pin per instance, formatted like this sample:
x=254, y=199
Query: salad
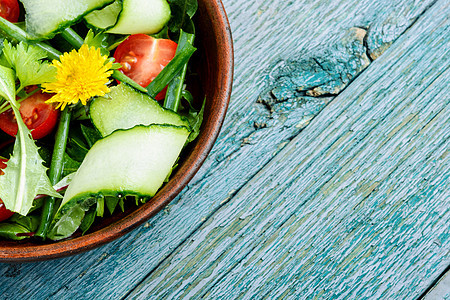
x=94, y=110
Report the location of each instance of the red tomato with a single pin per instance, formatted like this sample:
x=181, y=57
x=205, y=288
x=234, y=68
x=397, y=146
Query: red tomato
x=9, y=9
x=142, y=58
x=4, y=213
x=39, y=116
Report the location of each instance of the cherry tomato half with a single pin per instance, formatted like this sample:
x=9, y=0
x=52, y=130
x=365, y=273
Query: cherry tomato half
x=4, y=213
x=142, y=58
x=39, y=116
x=9, y=9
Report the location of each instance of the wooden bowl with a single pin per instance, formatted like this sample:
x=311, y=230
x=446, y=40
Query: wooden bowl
x=215, y=56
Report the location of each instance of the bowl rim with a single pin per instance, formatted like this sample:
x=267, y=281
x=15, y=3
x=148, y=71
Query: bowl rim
x=38, y=252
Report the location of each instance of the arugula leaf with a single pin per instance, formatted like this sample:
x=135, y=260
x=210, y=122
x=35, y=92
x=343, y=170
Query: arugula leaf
x=70, y=165
x=26, y=60
x=115, y=40
x=182, y=12
x=195, y=119
x=88, y=219
x=111, y=203
x=90, y=134
x=25, y=176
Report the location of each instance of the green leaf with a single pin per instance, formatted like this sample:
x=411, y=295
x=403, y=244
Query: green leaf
x=29, y=222
x=25, y=176
x=69, y=219
x=111, y=203
x=68, y=224
x=176, y=85
x=65, y=181
x=88, y=219
x=115, y=40
x=182, y=12
x=189, y=99
x=3, y=60
x=116, y=66
x=7, y=85
x=70, y=165
x=122, y=204
x=162, y=34
x=195, y=120
x=13, y=231
x=99, y=41
x=26, y=60
x=90, y=134
x=80, y=112
x=19, y=227
x=171, y=70
x=76, y=144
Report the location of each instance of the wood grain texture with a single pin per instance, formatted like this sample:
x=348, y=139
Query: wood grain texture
x=253, y=135
x=357, y=205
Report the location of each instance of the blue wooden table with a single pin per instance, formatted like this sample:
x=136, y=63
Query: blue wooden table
x=330, y=179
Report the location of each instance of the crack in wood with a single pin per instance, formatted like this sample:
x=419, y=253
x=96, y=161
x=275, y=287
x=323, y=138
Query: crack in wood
x=322, y=73
x=381, y=35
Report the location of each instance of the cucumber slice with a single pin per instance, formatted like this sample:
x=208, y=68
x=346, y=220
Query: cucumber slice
x=124, y=107
x=106, y=17
x=132, y=162
x=45, y=18
x=142, y=16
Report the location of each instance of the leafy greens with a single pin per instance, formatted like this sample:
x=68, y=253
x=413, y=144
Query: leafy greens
x=182, y=13
x=25, y=175
x=26, y=61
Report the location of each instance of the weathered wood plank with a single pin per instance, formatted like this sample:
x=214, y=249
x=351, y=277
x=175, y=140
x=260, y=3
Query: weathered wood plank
x=441, y=290
x=304, y=27
x=357, y=205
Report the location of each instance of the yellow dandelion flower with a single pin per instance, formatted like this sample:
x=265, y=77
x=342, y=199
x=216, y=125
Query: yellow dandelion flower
x=81, y=75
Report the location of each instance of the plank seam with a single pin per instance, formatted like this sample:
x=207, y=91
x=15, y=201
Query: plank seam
x=392, y=110
x=236, y=191
x=434, y=283
x=416, y=19
x=292, y=214
x=269, y=107
x=287, y=219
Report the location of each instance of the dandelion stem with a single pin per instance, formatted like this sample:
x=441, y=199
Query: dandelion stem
x=15, y=32
x=56, y=169
x=172, y=69
x=72, y=37
x=175, y=88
